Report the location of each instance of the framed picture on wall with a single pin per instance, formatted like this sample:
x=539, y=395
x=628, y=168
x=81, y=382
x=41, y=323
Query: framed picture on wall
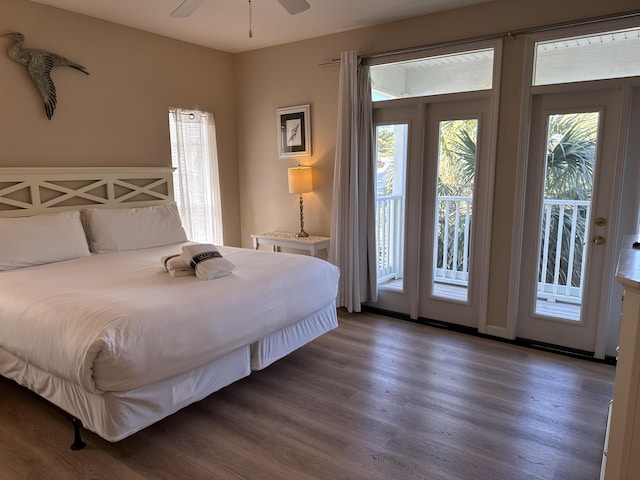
x=294, y=131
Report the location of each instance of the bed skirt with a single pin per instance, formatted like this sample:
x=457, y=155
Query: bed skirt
x=117, y=415
x=279, y=344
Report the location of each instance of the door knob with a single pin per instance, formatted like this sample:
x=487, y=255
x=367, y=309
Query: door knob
x=601, y=221
x=598, y=240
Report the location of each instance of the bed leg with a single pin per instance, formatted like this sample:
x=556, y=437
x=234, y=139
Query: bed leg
x=78, y=444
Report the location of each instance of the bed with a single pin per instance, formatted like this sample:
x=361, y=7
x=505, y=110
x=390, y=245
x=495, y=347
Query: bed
x=105, y=333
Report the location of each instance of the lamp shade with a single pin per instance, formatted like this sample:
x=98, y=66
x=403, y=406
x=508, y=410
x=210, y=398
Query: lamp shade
x=300, y=180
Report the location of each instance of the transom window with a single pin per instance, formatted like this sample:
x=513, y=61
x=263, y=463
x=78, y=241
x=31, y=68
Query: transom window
x=436, y=75
x=614, y=54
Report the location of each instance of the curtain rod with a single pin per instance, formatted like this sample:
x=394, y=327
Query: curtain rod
x=510, y=34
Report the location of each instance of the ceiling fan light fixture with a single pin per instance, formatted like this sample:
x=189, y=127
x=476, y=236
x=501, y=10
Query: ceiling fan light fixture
x=294, y=6
x=186, y=8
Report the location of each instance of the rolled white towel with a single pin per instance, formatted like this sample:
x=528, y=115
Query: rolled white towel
x=175, y=266
x=207, y=261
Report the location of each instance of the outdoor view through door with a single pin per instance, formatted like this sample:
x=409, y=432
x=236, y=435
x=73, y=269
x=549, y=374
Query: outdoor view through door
x=454, y=202
x=452, y=229
x=391, y=161
x=567, y=192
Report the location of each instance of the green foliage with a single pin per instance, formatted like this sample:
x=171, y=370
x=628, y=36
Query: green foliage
x=569, y=169
x=568, y=176
x=570, y=156
x=571, y=148
x=456, y=173
x=457, y=157
x=385, y=139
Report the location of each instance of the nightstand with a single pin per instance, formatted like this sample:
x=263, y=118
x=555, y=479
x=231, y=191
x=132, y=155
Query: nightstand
x=312, y=244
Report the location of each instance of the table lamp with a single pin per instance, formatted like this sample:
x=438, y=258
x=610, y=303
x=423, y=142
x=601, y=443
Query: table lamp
x=300, y=181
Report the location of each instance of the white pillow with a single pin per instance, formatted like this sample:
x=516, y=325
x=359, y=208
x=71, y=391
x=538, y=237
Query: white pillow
x=117, y=229
x=29, y=241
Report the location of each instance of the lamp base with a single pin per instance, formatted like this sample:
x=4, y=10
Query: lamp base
x=301, y=233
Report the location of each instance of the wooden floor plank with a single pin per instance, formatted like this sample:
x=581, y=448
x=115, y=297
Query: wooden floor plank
x=376, y=399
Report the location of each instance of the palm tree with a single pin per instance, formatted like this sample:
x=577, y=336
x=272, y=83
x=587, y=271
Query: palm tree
x=456, y=173
x=457, y=168
x=569, y=169
x=570, y=156
x=568, y=176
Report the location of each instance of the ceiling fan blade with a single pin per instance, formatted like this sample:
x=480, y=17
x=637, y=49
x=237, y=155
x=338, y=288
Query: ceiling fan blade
x=294, y=6
x=186, y=8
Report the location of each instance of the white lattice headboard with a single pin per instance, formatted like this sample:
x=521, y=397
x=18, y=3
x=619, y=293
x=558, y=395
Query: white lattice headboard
x=32, y=191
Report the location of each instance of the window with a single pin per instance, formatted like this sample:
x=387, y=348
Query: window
x=196, y=184
x=457, y=141
x=598, y=56
x=452, y=73
x=391, y=160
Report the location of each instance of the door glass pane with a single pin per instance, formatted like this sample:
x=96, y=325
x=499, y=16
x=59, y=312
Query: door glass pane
x=391, y=160
x=570, y=163
x=457, y=141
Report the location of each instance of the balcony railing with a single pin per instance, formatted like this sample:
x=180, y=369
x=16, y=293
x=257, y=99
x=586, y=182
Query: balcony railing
x=563, y=248
x=451, y=257
x=389, y=236
x=562, y=241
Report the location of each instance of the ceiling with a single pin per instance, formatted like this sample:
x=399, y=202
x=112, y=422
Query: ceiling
x=224, y=24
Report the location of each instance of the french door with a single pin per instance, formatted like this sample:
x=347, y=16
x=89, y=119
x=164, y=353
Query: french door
x=446, y=208
x=570, y=226
x=456, y=212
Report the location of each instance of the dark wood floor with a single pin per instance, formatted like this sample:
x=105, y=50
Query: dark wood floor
x=376, y=399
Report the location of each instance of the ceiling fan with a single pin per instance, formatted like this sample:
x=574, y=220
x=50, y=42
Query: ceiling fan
x=187, y=7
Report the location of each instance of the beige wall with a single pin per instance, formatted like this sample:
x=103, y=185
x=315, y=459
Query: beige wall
x=292, y=75
x=116, y=116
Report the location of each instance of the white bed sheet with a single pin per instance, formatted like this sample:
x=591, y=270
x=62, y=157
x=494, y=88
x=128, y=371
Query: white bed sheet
x=116, y=322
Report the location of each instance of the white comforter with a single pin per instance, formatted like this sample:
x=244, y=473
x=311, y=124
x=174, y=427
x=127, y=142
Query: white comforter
x=117, y=321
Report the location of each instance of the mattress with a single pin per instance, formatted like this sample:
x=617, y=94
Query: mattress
x=116, y=322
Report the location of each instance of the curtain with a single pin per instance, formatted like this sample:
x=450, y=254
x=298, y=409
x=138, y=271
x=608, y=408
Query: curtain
x=353, y=215
x=194, y=155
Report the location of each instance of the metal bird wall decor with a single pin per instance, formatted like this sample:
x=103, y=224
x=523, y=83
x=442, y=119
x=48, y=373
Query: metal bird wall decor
x=39, y=64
